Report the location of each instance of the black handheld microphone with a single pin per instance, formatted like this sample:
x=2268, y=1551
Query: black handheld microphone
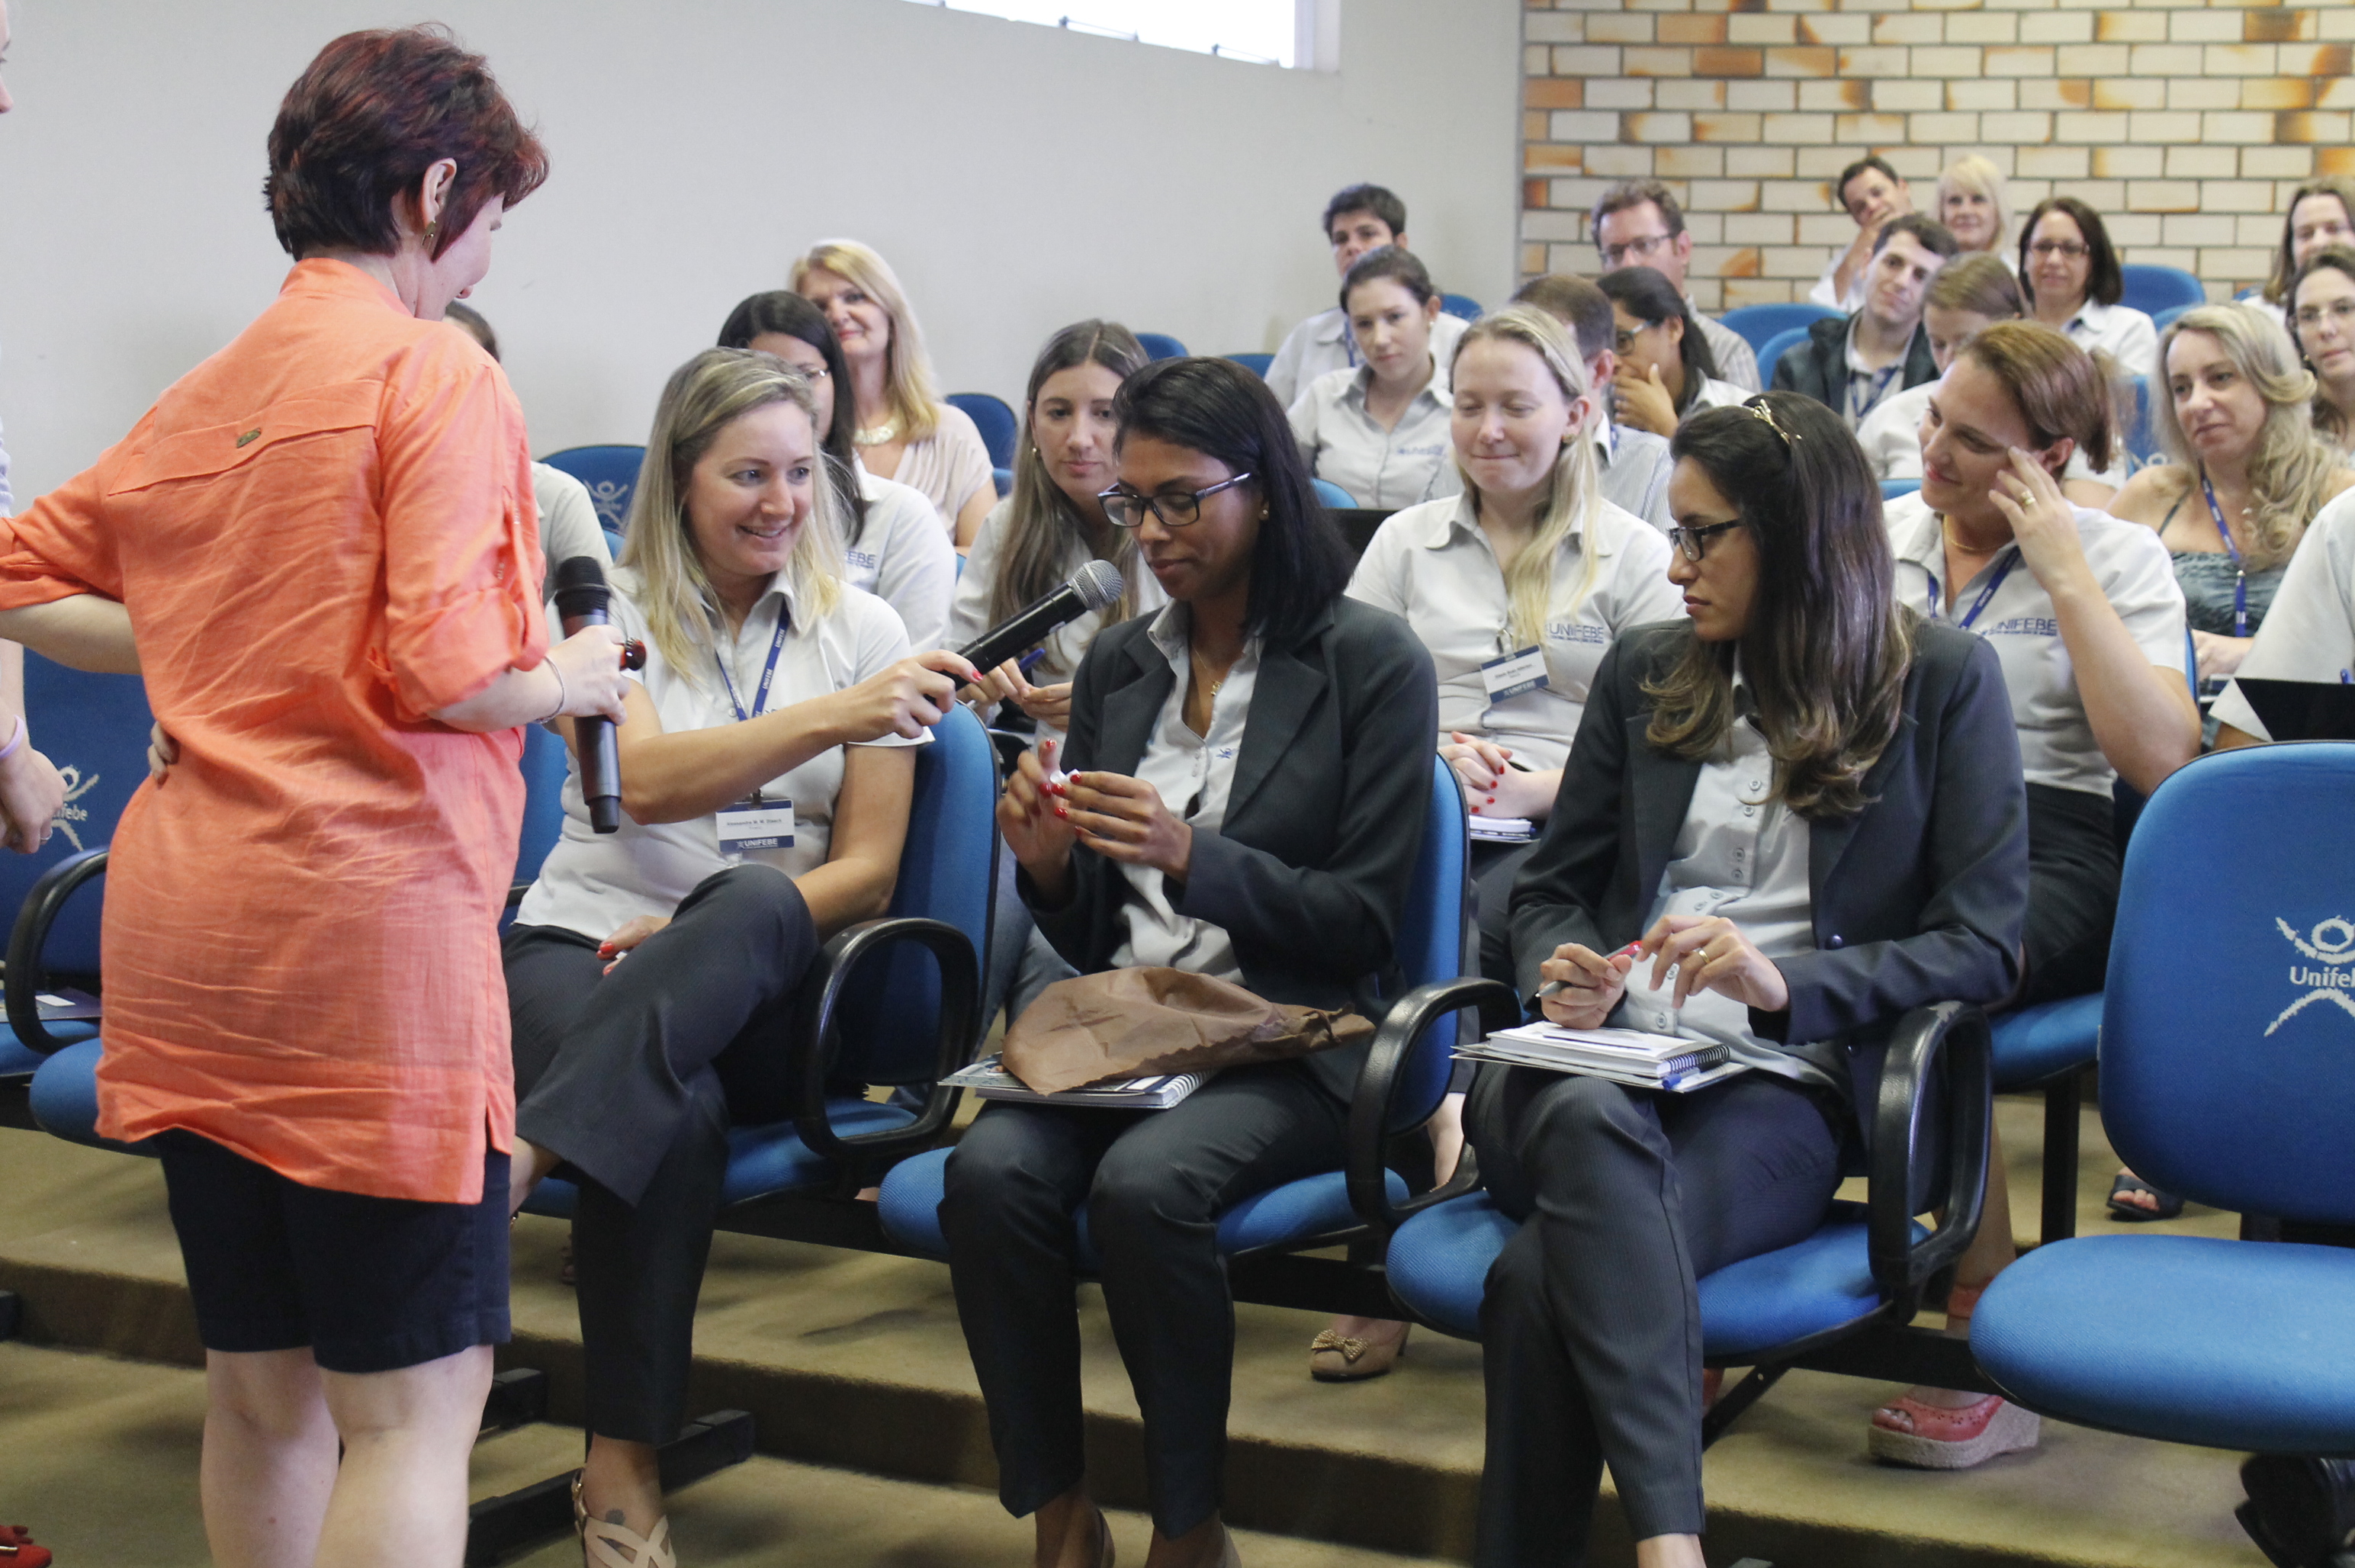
x=580, y=601
x=1097, y=584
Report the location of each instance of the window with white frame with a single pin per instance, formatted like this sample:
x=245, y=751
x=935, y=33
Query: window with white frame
x=1261, y=32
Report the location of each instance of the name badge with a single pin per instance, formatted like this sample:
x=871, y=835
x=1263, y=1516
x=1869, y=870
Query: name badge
x=746, y=829
x=1514, y=673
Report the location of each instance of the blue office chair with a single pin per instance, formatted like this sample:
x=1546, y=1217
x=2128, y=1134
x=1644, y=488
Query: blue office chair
x=2163, y=319
x=1404, y=1078
x=610, y=474
x=1771, y=352
x=2150, y=289
x=1160, y=345
x=2141, y=432
x=545, y=762
x=1762, y=324
x=2224, y=1077
x=1462, y=306
x=1256, y=364
x=1893, y=488
x=995, y=418
x=1002, y=481
x=1333, y=495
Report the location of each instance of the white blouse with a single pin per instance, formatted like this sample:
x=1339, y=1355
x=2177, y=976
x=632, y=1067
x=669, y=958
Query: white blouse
x=950, y=465
x=903, y=558
x=2124, y=332
x=2309, y=632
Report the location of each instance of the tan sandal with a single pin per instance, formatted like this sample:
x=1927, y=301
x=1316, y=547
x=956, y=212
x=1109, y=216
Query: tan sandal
x=604, y=1542
x=1347, y=1359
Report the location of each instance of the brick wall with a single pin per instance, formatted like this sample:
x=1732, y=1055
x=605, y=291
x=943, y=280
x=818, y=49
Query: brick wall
x=2185, y=125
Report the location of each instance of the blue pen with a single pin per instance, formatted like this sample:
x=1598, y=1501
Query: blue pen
x=1030, y=660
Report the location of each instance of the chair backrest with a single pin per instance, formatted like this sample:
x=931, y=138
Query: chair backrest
x=2150, y=289
x=2163, y=319
x=1463, y=307
x=1256, y=364
x=1771, y=352
x=545, y=763
x=1002, y=479
x=947, y=872
x=1332, y=495
x=610, y=474
x=995, y=418
x=1893, y=488
x=93, y=729
x=1160, y=345
x=2141, y=433
x=2228, y=1023
x=1761, y=323
x=1431, y=940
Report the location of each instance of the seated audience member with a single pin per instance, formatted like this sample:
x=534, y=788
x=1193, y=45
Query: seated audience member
x=2321, y=214
x=651, y=972
x=1972, y=207
x=1968, y=294
x=1247, y=767
x=1850, y=365
x=1666, y=369
x=1379, y=431
x=2071, y=271
x=568, y=518
x=2322, y=315
x=904, y=431
x=893, y=546
x=1359, y=217
x=1637, y=223
x=2309, y=633
x=1802, y=731
x=1871, y=193
x=1633, y=464
x=2083, y=611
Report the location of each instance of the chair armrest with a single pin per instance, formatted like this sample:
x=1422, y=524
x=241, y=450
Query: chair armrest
x=515, y=893
x=817, y=1042
x=26, y=976
x=1372, y=1105
x=1947, y=1046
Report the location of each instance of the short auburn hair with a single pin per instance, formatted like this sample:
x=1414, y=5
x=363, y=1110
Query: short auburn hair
x=366, y=120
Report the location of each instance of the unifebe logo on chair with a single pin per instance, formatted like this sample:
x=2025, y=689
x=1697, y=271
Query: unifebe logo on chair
x=68, y=812
x=2330, y=944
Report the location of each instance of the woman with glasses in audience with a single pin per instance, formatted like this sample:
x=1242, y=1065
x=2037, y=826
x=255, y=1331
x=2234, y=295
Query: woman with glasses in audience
x=653, y=973
x=2322, y=315
x=1379, y=431
x=1247, y=767
x=1787, y=821
x=1969, y=294
x=1971, y=205
x=2083, y=611
x=2321, y=214
x=893, y=546
x=2071, y=271
x=1667, y=369
x=903, y=430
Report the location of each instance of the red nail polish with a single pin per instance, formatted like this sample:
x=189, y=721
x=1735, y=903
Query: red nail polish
x=1060, y=811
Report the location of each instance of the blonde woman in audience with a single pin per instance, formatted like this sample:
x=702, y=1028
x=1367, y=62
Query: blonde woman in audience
x=2084, y=615
x=1379, y=431
x=2073, y=280
x=2321, y=214
x=905, y=431
x=2322, y=314
x=1971, y=205
x=1666, y=368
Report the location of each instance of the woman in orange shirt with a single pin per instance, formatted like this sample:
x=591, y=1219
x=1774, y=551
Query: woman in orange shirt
x=320, y=548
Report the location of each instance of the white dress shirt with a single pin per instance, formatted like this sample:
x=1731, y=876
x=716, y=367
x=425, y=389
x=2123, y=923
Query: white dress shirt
x=1322, y=345
x=1384, y=469
x=903, y=558
x=1193, y=773
x=2056, y=740
x=2124, y=332
x=1736, y=361
x=1869, y=387
x=2309, y=632
x=1635, y=465
x=1713, y=393
x=1432, y=566
x=568, y=525
x=594, y=883
x=1823, y=294
x=1891, y=438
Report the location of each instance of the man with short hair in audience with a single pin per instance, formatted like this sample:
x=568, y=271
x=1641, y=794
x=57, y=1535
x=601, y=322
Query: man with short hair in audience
x=1634, y=464
x=1359, y=217
x=1637, y=223
x=1851, y=365
x=1871, y=193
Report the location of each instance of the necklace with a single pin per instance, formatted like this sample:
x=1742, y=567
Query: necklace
x=1202, y=670
x=876, y=434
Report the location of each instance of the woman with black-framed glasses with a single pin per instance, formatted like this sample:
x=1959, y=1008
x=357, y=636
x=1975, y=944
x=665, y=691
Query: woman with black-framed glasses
x=1247, y=769
x=2073, y=280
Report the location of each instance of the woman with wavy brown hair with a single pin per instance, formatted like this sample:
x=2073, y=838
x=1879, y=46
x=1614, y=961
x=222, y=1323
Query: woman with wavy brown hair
x=1833, y=833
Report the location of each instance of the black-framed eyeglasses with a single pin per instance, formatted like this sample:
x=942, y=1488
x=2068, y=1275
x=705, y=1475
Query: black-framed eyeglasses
x=1693, y=543
x=2067, y=247
x=1175, y=508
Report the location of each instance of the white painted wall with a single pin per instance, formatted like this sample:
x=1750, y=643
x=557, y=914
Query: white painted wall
x=1017, y=177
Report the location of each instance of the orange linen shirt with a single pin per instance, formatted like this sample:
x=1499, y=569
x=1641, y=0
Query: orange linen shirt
x=322, y=534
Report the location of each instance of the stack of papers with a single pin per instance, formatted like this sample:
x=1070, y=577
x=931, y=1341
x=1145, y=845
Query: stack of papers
x=1626, y=1056
x=989, y=1080
x=1502, y=829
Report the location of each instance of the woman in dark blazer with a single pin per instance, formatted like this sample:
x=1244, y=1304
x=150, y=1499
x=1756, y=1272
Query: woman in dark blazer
x=1784, y=823
x=1250, y=768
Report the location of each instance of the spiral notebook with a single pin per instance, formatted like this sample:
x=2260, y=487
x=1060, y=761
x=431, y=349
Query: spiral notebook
x=1159, y=1092
x=1627, y=1056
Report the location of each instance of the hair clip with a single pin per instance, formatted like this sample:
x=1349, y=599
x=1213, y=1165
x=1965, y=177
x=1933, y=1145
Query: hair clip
x=1760, y=411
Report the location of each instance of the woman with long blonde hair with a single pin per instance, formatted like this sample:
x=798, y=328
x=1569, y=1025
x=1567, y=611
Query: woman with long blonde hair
x=904, y=431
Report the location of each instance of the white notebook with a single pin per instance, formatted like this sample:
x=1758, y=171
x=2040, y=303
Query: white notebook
x=990, y=1081
x=1627, y=1056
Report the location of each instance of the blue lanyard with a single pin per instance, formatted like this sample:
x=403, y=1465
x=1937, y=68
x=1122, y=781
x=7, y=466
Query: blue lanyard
x=768, y=673
x=2240, y=569
x=2004, y=563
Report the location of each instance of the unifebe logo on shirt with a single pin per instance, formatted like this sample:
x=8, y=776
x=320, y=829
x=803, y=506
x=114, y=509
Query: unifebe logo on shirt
x=2332, y=947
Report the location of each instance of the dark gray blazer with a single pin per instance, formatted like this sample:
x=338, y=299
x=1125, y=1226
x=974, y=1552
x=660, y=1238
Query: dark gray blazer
x=1917, y=899
x=1819, y=366
x=1309, y=873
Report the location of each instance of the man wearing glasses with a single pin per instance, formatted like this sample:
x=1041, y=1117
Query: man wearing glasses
x=1359, y=217
x=1638, y=224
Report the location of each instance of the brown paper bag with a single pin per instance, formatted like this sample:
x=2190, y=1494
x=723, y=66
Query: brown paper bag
x=1128, y=1023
